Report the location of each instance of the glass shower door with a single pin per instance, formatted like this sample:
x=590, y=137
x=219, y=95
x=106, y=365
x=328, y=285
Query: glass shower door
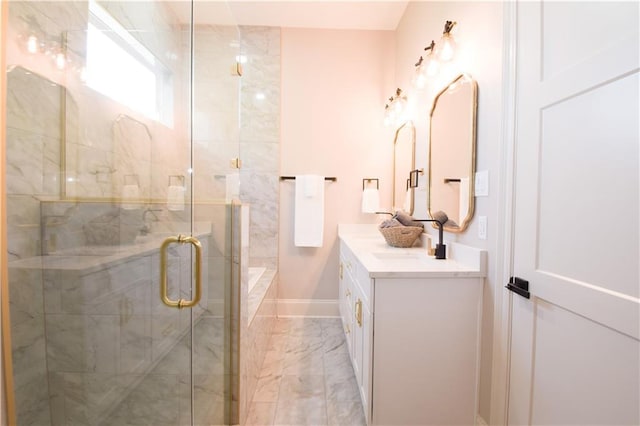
x=119, y=238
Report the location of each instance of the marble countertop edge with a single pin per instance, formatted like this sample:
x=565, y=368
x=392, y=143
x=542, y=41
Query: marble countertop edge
x=384, y=261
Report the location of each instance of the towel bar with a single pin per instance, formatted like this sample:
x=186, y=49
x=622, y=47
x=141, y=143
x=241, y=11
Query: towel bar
x=332, y=179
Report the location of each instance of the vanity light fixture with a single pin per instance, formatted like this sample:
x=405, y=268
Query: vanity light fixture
x=395, y=110
x=388, y=119
x=54, y=50
x=447, y=45
x=426, y=67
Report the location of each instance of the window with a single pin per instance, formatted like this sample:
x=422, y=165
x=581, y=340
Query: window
x=120, y=67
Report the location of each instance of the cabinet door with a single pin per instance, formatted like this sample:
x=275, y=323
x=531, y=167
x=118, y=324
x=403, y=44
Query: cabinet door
x=362, y=347
x=367, y=349
x=344, y=301
x=357, y=335
x=341, y=292
x=427, y=340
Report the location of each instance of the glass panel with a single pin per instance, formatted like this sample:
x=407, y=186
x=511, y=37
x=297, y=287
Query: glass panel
x=96, y=180
x=216, y=87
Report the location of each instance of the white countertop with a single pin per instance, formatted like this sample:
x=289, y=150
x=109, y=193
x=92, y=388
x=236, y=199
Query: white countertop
x=383, y=261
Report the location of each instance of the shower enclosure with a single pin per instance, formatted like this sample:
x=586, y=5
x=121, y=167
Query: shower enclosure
x=121, y=178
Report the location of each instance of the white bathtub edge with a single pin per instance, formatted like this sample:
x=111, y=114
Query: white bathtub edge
x=308, y=308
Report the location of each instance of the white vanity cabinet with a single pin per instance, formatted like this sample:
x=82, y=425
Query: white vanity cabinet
x=356, y=320
x=412, y=324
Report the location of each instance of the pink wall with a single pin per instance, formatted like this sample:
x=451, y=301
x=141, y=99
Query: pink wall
x=334, y=84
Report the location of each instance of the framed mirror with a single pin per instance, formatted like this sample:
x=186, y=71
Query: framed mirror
x=452, y=153
x=403, y=163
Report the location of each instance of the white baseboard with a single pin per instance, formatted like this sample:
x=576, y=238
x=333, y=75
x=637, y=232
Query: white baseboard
x=480, y=421
x=307, y=308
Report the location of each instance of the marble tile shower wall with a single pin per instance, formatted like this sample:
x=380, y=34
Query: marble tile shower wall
x=90, y=330
x=33, y=157
x=218, y=126
x=54, y=122
x=52, y=125
x=88, y=335
x=215, y=110
x=260, y=140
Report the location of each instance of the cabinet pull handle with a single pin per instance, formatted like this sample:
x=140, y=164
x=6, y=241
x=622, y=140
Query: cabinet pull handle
x=347, y=329
x=359, y=312
x=347, y=293
x=341, y=268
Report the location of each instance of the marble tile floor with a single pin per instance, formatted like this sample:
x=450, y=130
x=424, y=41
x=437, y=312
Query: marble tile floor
x=307, y=377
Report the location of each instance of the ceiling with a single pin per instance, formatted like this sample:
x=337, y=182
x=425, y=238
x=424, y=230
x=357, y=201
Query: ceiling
x=361, y=15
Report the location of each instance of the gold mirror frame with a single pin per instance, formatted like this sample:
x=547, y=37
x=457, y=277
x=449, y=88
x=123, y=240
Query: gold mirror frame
x=408, y=126
x=452, y=226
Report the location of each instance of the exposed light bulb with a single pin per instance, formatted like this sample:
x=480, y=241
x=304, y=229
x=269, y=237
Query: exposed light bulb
x=420, y=78
x=399, y=106
x=432, y=66
x=32, y=44
x=61, y=61
x=395, y=112
x=447, y=48
x=426, y=67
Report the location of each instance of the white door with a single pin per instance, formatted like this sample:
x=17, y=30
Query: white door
x=575, y=354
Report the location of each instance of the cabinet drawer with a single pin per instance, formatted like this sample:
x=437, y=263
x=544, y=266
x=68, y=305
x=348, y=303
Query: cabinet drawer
x=349, y=260
x=358, y=272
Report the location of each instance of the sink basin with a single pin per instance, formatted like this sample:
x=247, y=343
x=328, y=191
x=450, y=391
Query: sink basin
x=391, y=255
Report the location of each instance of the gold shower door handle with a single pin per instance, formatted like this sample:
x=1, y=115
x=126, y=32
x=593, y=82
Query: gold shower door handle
x=181, y=303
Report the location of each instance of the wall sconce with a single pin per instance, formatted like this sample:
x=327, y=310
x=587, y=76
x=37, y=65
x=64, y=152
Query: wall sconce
x=426, y=67
x=395, y=110
x=447, y=45
x=35, y=43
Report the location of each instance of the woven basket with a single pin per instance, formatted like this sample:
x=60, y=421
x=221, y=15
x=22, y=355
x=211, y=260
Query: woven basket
x=401, y=236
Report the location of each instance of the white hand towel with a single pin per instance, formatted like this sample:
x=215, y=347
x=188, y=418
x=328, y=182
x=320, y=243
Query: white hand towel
x=175, y=198
x=370, y=200
x=130, y=193
x=406, y=206
x=463, y=199
x=309, y=211
x=232, y=183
